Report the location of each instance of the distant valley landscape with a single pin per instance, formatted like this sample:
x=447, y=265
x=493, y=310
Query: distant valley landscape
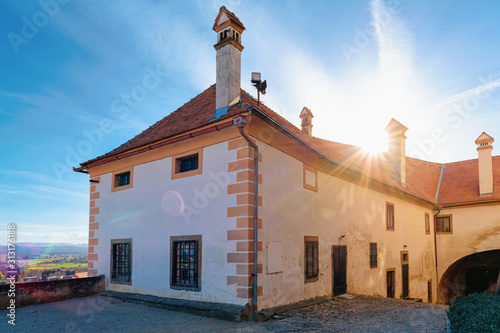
x=37, y=249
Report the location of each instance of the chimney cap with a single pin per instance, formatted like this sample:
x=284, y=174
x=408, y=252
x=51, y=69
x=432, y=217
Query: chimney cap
x=484, y=138
x=396, y=126
x=306, y=112
x=230, y=19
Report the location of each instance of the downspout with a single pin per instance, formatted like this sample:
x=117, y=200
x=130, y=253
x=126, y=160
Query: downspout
x=240, y=122
x=436, y=256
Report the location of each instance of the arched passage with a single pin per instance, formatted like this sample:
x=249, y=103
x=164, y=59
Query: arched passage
x=473, y=273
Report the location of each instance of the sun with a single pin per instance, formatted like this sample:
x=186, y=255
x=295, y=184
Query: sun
x=373, y=142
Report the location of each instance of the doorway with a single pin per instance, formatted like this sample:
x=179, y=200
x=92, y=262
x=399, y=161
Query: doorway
x=405, y=270
x=390, y=283
x=429, y=291
x=339, y=264
x=406, y=284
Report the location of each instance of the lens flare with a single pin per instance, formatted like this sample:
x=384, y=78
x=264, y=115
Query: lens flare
x=172, y=203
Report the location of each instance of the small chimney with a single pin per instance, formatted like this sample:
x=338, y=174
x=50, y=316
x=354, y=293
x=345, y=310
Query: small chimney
x=228, y=81
x=484, y=148
x=306, y=116
x=397, y=150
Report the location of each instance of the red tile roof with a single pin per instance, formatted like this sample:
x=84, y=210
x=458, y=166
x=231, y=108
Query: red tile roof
x=460, y=183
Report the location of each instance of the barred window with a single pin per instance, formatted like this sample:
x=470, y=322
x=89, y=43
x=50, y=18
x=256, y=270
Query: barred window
x=186, y=261
x=187, y=163
x=311, y=258
x=427, y=224
x=373, y=255
x=122, y=179
x=121, y=261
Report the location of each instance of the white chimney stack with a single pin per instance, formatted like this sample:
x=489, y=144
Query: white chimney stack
x=228, y=82
x=397, y=150
x=484, y=148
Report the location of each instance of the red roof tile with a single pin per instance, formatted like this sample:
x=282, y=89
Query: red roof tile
x=460, y=181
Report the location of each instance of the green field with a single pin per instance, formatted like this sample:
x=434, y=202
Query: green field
x=42, y=264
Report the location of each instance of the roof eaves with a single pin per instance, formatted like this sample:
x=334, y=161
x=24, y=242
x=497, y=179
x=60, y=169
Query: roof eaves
x=154, y=145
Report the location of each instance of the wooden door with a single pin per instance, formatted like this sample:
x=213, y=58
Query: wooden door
x=406, y=286
x=390, y=284
x=339, y=265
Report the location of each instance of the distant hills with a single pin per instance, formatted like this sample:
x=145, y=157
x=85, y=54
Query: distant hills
x=33, y=249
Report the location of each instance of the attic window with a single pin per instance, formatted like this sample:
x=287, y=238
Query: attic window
x=310, y=178
x=187, y=164
x=122, y=179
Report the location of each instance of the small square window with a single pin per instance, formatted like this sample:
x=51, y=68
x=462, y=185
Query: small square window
x=373, y=255
x=122, y=179
x=404, y=257
x=444, y=224
x=187, y=164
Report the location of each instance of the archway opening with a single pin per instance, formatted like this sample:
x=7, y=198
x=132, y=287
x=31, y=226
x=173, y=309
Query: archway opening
x=480, y=280
x=475, y=273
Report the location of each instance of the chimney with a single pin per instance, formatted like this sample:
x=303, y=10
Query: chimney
x=397, y=150
x=306, y=116
x=229, y=29
x=484, y=148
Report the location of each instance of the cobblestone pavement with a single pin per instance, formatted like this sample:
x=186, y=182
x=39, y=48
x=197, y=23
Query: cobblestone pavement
x=364, y=314
x=104, y=314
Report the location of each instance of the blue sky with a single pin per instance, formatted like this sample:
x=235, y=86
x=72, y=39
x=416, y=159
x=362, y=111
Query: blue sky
x=72, y=83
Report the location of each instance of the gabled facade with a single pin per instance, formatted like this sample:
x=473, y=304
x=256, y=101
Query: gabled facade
x=177, y=211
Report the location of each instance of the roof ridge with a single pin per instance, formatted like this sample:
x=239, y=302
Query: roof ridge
x=340, y=143
x=421, y=160
x=461, y=162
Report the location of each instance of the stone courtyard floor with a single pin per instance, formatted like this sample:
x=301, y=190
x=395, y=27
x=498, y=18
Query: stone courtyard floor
x=103, y=314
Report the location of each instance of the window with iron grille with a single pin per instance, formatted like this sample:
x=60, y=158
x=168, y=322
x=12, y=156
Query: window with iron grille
x=427, y=224
x=373, y=255
x=444, y=224
x=186, y=259
x=122, y=179
x=311, y=258
x=389, y=210
x=187, y=163
x=121, y=261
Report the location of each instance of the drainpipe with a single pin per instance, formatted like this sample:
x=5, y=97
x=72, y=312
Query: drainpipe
x=436, y=256
x=240, y=122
